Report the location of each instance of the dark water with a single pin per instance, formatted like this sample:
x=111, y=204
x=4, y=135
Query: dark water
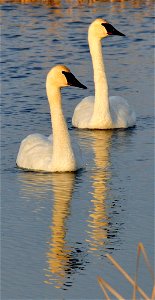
x=57, y=228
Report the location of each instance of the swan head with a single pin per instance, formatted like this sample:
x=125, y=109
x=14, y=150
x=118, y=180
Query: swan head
x=100, y=28
x=61, y=76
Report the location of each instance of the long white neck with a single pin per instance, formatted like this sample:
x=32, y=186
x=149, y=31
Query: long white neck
x=62, y=149
x=101, y=105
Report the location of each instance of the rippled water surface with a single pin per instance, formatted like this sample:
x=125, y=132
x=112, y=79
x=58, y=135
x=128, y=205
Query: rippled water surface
x=57, y=228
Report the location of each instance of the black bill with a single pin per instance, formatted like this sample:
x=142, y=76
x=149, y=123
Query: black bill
x=71, y=80
x=111, y=30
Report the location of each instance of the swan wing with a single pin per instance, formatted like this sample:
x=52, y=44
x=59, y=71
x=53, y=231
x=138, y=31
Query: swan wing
x=83, y=112
x=35, y=153
x=122, y=113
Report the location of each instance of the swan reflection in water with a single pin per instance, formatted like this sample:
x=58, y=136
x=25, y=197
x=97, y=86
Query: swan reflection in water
x=60, y=254
x=98, y=221
x=63, y=258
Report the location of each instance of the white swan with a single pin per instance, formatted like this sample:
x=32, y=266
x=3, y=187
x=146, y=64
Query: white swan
x=102, y=111
x=54, y=153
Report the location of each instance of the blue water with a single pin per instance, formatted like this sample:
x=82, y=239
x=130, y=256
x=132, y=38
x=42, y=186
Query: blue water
x=57, y=228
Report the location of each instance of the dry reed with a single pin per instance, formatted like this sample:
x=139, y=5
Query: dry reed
x=70, y=2
x=105, y=286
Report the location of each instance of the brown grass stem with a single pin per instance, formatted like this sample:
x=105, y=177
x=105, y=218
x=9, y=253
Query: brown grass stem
x=127, y=276
x=141, y=249
x=105, y=285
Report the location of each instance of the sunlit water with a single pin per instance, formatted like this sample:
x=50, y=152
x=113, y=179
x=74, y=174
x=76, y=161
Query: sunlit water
x=57, y=228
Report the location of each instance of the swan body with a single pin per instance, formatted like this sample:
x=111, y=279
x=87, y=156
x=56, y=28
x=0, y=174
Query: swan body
x=121, y=114
x=101, y=111
x=54, y=153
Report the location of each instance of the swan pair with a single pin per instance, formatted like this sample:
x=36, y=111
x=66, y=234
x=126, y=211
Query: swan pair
x=56, y=153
